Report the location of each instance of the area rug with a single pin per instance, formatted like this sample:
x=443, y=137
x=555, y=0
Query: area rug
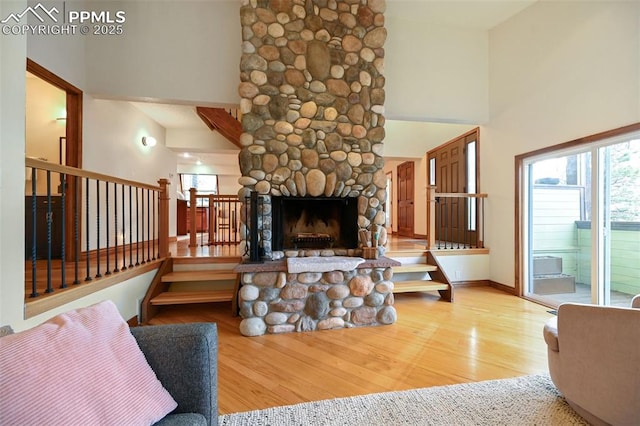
x=527, y=400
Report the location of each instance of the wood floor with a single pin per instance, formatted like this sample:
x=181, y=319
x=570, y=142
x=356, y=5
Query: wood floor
x=486, y=334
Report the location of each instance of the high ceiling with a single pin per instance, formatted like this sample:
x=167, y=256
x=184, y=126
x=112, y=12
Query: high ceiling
x=476, y=14
x=472, y=14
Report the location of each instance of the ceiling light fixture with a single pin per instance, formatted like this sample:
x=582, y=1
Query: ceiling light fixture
x=149, y=141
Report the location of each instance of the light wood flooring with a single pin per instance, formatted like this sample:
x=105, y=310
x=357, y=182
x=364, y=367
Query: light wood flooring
x=485, y=334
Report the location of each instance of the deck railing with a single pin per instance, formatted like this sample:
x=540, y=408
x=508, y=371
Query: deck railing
x=455, y=220
x=83, y=226
x=219, y=220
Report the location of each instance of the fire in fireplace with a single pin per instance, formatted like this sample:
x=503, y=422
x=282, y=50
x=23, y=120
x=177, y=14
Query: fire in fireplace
x=314, y=222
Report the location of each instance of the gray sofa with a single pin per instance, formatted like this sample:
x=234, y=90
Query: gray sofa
x=184, y=358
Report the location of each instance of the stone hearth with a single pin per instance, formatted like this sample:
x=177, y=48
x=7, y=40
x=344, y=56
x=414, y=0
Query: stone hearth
x=312, y=103
x=273, y=300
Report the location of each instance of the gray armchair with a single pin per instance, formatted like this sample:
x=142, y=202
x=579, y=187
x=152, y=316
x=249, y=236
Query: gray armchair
x=184, y=358
x=594, y=360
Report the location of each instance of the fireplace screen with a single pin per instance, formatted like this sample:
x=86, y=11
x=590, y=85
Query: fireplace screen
x=317, y=223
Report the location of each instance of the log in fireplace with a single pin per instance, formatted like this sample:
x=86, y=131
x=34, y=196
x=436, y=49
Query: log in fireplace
x=314, y=222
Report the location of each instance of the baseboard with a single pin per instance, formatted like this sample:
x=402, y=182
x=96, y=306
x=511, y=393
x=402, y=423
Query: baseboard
x=502, y=287
x=420, y=236
x=173, y=239
x=472, y=283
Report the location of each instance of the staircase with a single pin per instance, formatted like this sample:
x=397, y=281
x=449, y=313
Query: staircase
x=223, y=121
x=419, y=272
x=182, y=280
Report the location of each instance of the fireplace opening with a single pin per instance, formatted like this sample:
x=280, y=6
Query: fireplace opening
x=314, y=223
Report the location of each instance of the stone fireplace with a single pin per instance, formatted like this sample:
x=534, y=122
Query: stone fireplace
x=314, y=222
x=312, y=103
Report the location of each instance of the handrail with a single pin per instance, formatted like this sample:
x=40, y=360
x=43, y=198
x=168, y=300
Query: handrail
x=57, y=168
x=448, y=226
x=459, y=194
x=123, y=224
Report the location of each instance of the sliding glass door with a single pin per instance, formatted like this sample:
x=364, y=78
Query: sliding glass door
x=581, y=223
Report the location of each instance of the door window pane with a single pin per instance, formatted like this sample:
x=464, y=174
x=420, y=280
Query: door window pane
x=620, y=175
x=557, y=204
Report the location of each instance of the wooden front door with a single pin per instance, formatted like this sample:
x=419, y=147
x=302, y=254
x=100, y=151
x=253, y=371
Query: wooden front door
x=405, y=199
x=452, y=214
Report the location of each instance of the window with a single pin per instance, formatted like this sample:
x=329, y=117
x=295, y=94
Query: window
x=204, y=184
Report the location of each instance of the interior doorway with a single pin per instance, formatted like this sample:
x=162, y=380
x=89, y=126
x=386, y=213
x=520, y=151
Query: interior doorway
x=67, y=148
x=406, y=185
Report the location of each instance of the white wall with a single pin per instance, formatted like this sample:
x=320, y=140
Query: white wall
x=63, y=55
x=412, y=139
x=199, y=140
x=13, y=51
x=113, y=132
x=470, y=267
x=125, y=295
x=559, y=71
x=434, y=72
x=174, y=51
x=107, y=125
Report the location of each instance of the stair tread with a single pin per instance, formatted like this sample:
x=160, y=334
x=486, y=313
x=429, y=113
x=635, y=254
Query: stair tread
x=207, y=275
x=183, y=297
x=405, y=252
x=415, y=267
x=420, y=285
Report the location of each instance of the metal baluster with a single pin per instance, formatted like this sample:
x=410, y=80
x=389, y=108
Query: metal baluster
x=130, y=229
x=88, y=277
x=148, y=225
x=154, y=226
x=115, y=224
x=106, y=188
x=34, y=217
x=63, y=247
x=76, y=229
x=124, y=233
x=49, y=224
x=481, y=238
x=137, y=228
x=98, y=274
x=143, y=261
x=247, y=246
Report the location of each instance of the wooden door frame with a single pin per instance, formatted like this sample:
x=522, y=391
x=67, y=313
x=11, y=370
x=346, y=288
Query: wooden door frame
x=73, y=148
x=390, y=203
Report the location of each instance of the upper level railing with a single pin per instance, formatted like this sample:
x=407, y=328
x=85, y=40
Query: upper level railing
x=455, y=220
x=83, y=226
x=216, y=216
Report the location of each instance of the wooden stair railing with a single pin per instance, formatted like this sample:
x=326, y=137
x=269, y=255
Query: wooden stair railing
x=222, y=121
x=101, y=227
x=444, y=230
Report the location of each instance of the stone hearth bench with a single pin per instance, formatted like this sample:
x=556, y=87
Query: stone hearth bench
x=274, y=299
x=322, y=264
